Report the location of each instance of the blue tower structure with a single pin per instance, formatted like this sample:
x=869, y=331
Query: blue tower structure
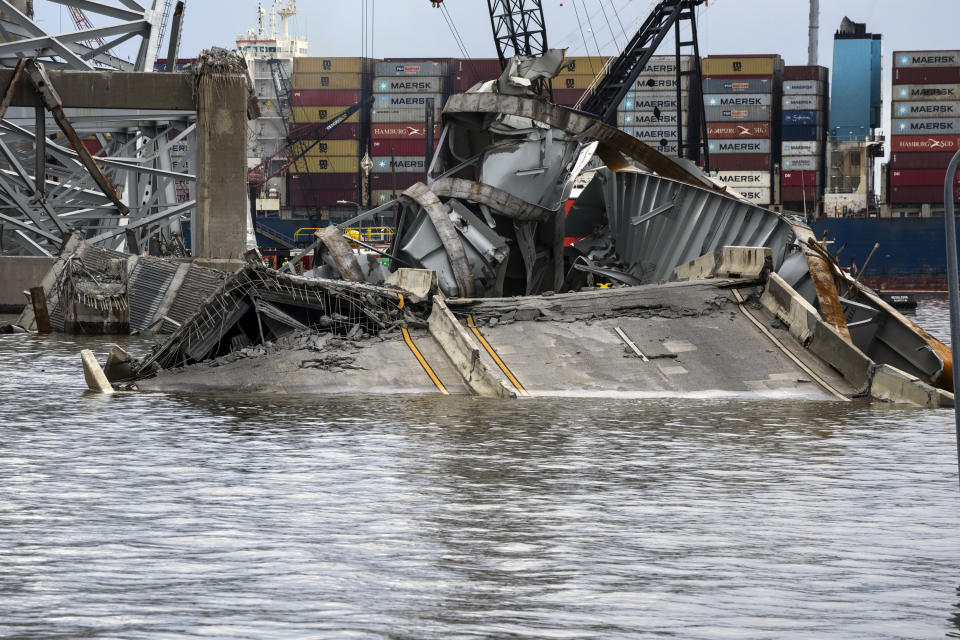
x=855, y=98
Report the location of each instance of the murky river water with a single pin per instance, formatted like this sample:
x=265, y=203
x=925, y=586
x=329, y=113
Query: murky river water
x=166, y=516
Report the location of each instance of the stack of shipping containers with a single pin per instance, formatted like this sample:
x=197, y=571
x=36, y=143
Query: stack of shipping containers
x=469, y=71
x=401, y=89
x=650, y=110
x=925, y=129
x=322, y=89
x=742, y=101
x=802, y=137
x=576, y=76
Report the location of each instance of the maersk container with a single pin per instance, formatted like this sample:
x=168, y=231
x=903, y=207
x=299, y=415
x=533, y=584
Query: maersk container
x=410, y=85
x=755, y=195
x=667, y=65
x=921, y=177
x=400, y=164
x=910, y=59
x=807, y=194
x=322, y=114
x=801, y=148
x=803, y=88
x=426, y=68
x=741, y=162
x=656, y=84
x=792, y=133
x=920, y=92
x=738, y=101
x=745, y=179
x=738, y=146
x=331, y=65
x=653, y=133
x=929, y=109
x=640, y=101
x=401, y=116
x=342, y=81
x=924, y=143
x=331, y=97
x=383, y=196
x=806, y=72
x=803, y=118
x=927, y=75
x=740, y=131
x=647, y=118
x=759, y=65
x=733, y=114
x=800, y=163
x=800, y=178
x=925, y=126
x=405, y=131
x=802, y=103
x=737, y=85
x=933, y=160
x=405, y=147
x=406, y=100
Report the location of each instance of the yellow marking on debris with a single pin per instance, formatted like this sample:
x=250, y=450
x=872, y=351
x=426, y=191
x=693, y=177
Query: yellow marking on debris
x=823, y=383
x=496, y=358
x=423, y=362
x=401, y=303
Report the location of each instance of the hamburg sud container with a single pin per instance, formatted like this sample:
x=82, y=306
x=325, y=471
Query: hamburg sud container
x=323, y=88
x=925, y=124
x=803, y=131
x=742, y=109
x=649, y=110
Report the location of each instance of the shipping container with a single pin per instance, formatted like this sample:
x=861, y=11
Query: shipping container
x=400, y=164
x=741, y=162
x=468, y=72
x=800, y=178
x=803, y=103
x=406, y=100
x=927, y=92
x=805, y=72
x=931, y=160
x=300, y=198
x=738, y=101
x=647, y=118
x=410, y=85
x=801, y=148
x=746, y=114
x=640, y=101
x=740, y=130
x=745, y=179
x=390, y=180
x=578, y=82
x=921, y=177
x=926, y=75
x=793, y=133
x=910, y=59
x=808, y=194
x=755, y=195
x=342, y=81
x=926, y=126
x=404, y=147
x=331, y=97
x=345, y=131
x=667, y=65
x=567, y=97
x=332, y=65
x=648, y=134
x=804, y=88
x=801, y=163
x=326, y=147
x=918, y=195
x=737, y=85
x=328, y=164
x=410, y=131
x=317, y=114
x=401, y=116
x=383, y=196
x=803, y=118
x=659, y=83
x=349, y=180
x=582, y=65
x=738, y=146
x=929, y=109
x=426, y=68
x=924, y=143
x=752, y=65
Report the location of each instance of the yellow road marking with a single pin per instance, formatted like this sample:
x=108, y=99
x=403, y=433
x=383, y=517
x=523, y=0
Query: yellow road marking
x=496, y=358
x=423, y=362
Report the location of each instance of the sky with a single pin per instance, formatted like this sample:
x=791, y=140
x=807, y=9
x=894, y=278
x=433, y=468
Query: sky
x=412, y=28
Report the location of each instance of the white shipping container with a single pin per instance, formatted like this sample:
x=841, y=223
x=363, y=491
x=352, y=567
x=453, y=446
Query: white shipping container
x=761, y=145
x=648, y=134
x=803, y=103
x=738, y=100
x=644, y=101
x=926, y=59
x=800, y=163
x=660, y=83
x=803, y=88
x=647, y=118
x=667, y=65
x=402, y=164
x=756, y=195
x=927, y=109
x=926, y=127
x=745, y=179
x=801, y=148
x=926, y=92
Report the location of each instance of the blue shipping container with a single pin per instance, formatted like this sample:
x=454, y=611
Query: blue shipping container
x=802, y=118
x=793, y=133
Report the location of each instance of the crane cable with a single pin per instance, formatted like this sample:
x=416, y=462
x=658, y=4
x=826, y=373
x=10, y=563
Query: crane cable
x=582, y=35
x=458, y=39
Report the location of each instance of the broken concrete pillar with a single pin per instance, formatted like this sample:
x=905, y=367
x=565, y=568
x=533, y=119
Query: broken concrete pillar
x=219, y=224
x=93, y=373
x=39, y=301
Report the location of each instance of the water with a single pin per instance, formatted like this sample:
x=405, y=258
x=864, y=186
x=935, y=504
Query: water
x=173, y=516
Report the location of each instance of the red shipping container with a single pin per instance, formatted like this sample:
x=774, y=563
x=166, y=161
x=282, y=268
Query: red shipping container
x=402, y=131
x=920, y=177
x=799, y=179
x=469, y=72
x=918, y=195
x=926, y=75
x=325, y=98
x=805, y=72
x=380, y=147
x=324, y=180
x=737, y=77
x=346, y=131
x=740, y=161
x=800, y=194
x=567, y=97
x=746, y=130
x=924, y=143
x=931, y=160
x=403, y=180
x=320, y=197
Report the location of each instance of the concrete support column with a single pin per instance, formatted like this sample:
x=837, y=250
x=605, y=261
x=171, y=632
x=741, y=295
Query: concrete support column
x=219, y=224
